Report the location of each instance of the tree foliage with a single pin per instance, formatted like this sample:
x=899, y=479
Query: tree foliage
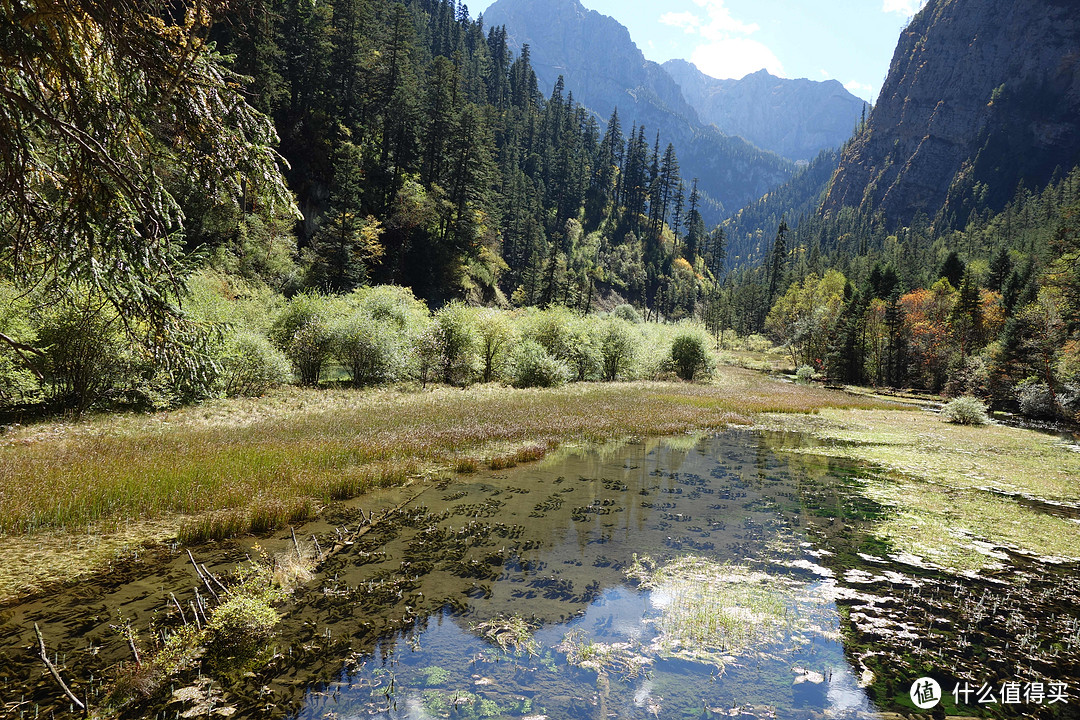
x=109, y=114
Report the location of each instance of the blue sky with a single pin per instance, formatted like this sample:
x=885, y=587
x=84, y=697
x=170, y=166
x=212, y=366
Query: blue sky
x=847, y=40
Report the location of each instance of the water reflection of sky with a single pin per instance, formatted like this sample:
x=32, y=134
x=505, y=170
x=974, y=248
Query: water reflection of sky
x=720, y=500
x=619, y=615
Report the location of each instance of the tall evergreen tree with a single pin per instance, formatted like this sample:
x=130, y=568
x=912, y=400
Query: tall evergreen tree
x=778, y=261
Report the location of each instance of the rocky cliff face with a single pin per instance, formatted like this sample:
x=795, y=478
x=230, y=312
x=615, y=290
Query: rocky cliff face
x=794, y=118
x=981, y=95
x=604, y=69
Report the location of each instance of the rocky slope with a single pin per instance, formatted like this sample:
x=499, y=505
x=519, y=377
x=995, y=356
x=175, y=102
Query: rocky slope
x=604, y=69
x=981, y=95
x=794, y=118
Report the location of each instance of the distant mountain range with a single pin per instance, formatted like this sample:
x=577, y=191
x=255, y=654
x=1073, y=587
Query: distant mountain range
x=605, y=70
x=794, y=118
x=739, y=137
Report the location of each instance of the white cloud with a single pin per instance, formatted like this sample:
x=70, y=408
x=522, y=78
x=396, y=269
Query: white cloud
x=721, y=24
x=864, y=90
x=907, y=8
x=688, y=21
x=727, y=49
x=735, y=57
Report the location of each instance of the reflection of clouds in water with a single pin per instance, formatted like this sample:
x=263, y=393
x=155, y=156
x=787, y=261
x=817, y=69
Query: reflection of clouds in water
x=844, y=693
x=643, y=692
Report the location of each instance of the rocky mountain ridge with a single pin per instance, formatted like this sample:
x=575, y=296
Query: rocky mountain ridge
x=604, y=69
x=981, y=96
x=796, y=119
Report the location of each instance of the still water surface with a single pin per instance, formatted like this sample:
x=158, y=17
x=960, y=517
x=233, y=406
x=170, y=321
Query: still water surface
x=692, y=577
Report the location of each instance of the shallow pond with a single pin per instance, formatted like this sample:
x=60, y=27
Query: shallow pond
x=693, y=577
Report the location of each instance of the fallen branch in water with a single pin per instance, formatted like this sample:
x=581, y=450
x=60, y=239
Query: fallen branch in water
x=56, y=673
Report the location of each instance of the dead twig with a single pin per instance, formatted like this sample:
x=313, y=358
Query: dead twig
x=56, y=673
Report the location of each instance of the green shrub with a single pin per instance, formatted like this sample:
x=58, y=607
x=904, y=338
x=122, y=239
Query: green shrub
x=1035, y=399
x=309, y=350
x=459, y=358
x=965, y=410
x=82, y=351
x=17, y=382
x=804, y=374
x=567, y=337
x=551, y=328
x=302, y=331
x=251, y=365
x=627, y=312
x=533, y=366
x=366, y=348
x=689, y=355
x=394, y=304
x=495, y=335
x=240, y=626
x=299, y=311
x=583, y=356
x=618, y=346
x=428, y=353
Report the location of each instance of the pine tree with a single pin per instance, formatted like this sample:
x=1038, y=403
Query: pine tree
x=778, y=262
x=347, y=242
x=1000, y=269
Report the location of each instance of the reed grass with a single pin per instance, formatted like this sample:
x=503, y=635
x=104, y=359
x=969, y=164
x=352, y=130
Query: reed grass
x=255, y=464
x=260, y=455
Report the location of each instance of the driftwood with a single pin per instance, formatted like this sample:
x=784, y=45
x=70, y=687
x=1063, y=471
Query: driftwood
x=216, y=581
x=206, y=580
x=56, y=673
x=296, y=545
x=178, y=608
x=133, y=646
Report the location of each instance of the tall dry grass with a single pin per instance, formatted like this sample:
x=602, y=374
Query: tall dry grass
x=260, y=463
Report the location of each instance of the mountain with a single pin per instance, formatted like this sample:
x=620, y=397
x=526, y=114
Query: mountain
x=605, y=70
x=982, y=95
x=751, y=230
x=796, y=119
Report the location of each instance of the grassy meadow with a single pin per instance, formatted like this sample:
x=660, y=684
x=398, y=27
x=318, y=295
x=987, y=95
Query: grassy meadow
x=76, y=493
x=950, y=489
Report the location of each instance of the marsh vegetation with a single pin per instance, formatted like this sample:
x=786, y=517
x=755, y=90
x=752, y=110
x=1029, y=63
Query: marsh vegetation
x=656, y=578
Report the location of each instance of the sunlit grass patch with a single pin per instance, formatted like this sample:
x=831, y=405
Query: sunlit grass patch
x=918, y=444
x=709, y=611
x=953, y=527
x=256, y=464
x=952, y=488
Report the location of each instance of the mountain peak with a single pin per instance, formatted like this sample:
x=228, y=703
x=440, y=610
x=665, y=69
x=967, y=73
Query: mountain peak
x=794, y=118
x=602, y=66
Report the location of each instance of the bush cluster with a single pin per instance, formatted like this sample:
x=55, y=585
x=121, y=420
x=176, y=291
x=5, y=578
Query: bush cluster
x=965, y=410
x=240, y=339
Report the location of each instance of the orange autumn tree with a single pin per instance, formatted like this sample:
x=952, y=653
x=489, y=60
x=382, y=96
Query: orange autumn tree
x=926, y=325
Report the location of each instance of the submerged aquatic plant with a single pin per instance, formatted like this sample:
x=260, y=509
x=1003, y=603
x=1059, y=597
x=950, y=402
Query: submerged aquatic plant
x=622, y=658
x=708, y=611
x=511, y=633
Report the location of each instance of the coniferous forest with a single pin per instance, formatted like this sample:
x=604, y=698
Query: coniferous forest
x=417, y=151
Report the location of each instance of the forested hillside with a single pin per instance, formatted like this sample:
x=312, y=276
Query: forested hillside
x=419, y=152
x=422, y=154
